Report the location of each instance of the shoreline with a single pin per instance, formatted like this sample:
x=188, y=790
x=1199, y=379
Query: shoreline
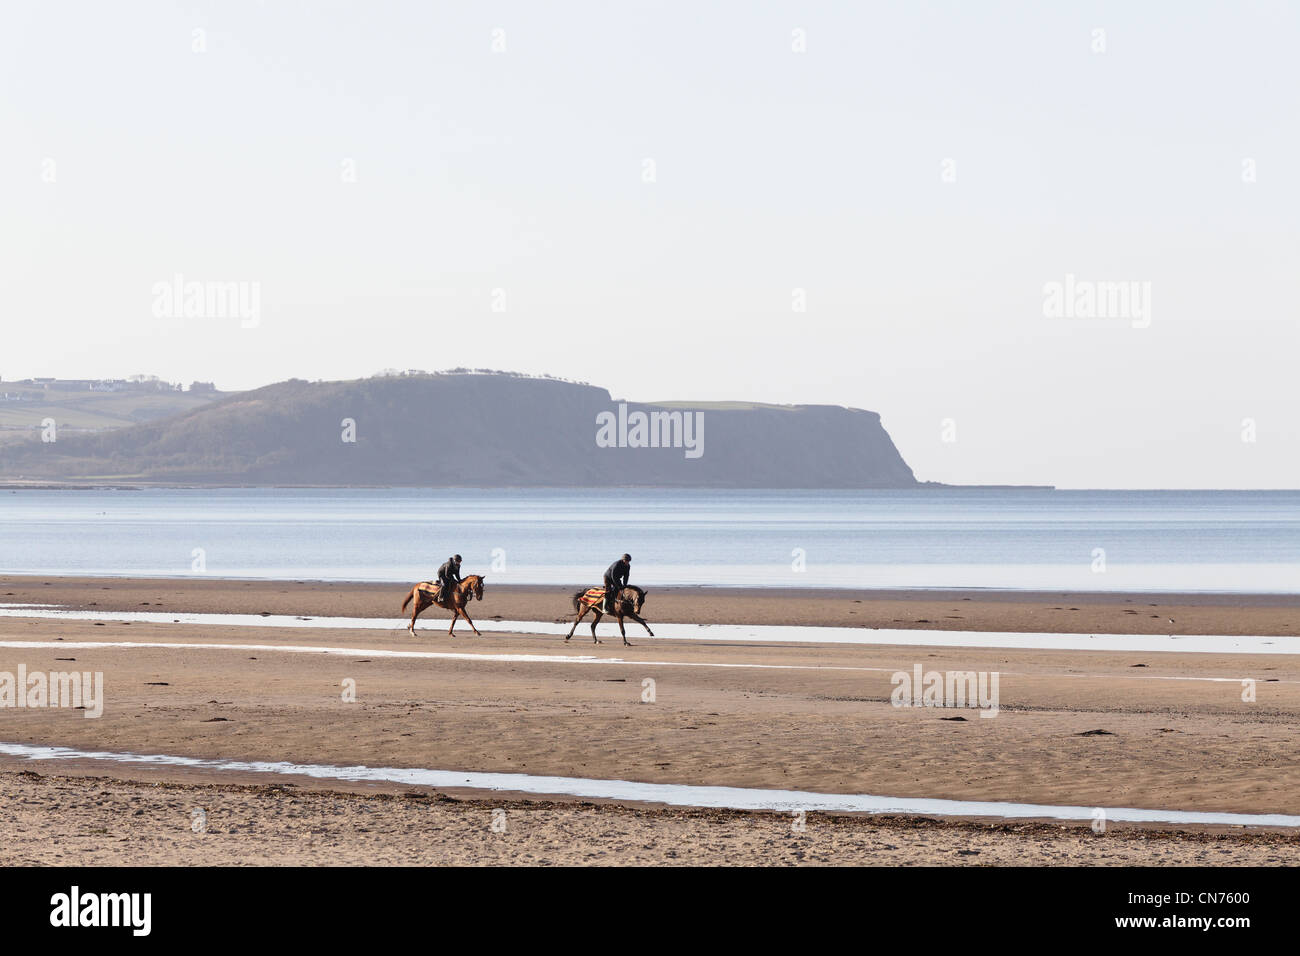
x=941, y=609
x=920, y=591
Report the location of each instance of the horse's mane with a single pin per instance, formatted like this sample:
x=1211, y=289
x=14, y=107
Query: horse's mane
x=638, y=590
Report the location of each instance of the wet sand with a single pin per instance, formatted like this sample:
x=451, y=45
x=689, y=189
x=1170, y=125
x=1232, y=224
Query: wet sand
x=1176, y=732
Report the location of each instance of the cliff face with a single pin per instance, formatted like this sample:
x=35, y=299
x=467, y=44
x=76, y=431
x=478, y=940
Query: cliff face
x=476, y=430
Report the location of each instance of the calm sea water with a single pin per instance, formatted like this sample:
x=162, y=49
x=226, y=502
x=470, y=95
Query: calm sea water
x=1089, y=540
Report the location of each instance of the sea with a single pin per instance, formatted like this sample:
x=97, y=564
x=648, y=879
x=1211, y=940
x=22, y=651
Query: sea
x=934, y=538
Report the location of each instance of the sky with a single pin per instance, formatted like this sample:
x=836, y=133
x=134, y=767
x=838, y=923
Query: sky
x=860, y=204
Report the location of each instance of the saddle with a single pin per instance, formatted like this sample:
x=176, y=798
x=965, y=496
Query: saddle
x=433, y=588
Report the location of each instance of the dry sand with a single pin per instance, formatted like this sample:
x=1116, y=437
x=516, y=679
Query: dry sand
x=97, y=821
x=1174, y=740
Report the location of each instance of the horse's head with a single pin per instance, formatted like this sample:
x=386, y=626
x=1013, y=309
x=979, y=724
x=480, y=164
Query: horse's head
x=476, y=587
x=640, y=597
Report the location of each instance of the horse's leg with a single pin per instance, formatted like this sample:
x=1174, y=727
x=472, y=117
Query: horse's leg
x=576, y=621
x=420, y=605
x=464, y=612
x=594, y=621
x=623, y=632
x=454, y=614
x=634, y=616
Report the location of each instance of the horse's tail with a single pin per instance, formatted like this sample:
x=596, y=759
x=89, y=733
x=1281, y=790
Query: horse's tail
x=577, y=599
x=408, y=599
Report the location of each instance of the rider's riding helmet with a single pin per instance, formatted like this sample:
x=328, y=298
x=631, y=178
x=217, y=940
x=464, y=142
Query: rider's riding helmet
x=627, y=558
x=456, y=558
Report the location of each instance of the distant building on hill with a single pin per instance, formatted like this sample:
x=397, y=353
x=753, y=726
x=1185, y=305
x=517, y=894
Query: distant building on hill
x=142, y=383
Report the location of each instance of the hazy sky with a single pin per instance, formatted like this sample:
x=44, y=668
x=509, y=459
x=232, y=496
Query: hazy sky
x=390, y=181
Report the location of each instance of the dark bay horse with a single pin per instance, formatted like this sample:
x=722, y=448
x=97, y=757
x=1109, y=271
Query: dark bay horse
x=425, y=594
x=627, y=604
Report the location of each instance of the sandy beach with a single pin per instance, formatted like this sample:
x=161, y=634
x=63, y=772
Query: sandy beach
x=1165, y=731
x=98, y=821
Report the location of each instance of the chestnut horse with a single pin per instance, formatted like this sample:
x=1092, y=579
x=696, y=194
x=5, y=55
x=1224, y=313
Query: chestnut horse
x=425, y=594
x=627, y=604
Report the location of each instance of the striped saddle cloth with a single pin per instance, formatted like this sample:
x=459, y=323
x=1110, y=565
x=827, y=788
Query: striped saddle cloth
x=593, y=596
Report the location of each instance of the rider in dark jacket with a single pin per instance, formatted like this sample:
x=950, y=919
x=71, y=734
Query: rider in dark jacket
x=616, y=579
x=448, y=576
